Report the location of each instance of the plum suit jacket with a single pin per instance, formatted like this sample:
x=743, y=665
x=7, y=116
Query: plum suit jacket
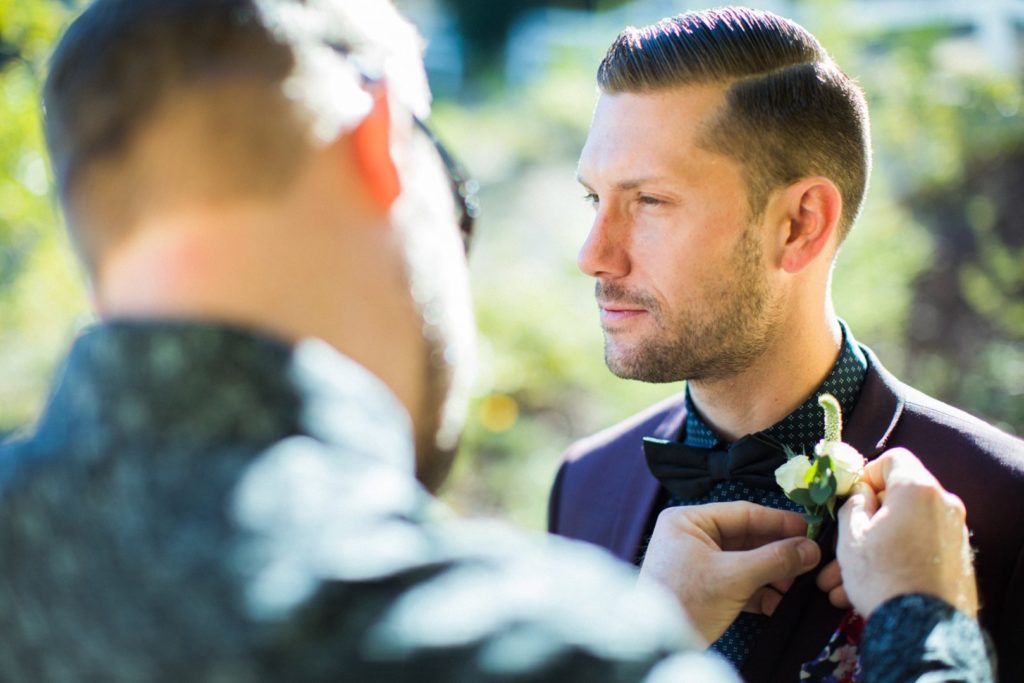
x=605, y=494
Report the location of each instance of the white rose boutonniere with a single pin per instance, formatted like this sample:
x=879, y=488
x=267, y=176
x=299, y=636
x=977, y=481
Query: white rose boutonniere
x=793, y=475
x=847, y=464
x=817, y=484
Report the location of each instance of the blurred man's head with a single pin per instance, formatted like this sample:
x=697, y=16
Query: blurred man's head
x=727, y=152
x=257, y=162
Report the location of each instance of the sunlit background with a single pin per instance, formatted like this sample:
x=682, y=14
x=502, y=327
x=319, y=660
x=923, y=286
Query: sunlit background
x=932, y=277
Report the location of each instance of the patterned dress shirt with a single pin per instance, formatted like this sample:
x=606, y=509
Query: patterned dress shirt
x=800, y=430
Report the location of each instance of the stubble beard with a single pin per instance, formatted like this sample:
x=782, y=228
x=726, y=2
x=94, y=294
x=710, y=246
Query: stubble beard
x=739, y=319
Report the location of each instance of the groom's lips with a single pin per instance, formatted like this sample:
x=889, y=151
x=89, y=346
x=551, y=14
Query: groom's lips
x=612, y=313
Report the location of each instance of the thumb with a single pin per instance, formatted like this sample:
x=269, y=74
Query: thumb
x=777, y=561
x=857, y=512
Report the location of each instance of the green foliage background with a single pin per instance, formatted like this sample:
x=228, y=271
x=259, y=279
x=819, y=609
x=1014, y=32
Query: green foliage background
x=932, y=277
x=42, y=297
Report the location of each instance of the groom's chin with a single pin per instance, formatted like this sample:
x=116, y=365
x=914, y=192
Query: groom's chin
x=641, y=364
x=622, y=363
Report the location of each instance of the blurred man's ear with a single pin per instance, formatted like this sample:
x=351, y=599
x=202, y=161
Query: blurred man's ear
x=371, y=145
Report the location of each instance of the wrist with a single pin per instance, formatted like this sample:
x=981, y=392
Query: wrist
x=914, y=633
x=959, y=592
x=957, y=597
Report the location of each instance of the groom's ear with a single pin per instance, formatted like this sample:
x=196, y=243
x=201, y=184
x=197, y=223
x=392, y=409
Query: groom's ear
x=808, y=214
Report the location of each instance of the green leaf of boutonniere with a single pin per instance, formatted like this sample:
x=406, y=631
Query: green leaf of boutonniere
x=801, y=497
x=820, y=492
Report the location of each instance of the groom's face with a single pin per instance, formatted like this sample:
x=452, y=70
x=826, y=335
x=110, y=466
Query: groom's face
x=681, y=275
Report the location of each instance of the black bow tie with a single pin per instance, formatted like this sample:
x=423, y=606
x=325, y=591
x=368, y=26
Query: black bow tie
x=689, y=472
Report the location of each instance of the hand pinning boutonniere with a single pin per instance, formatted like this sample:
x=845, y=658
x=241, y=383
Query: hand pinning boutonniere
x=817, y=484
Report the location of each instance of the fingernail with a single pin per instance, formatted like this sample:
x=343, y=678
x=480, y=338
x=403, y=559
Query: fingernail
x=808, y=552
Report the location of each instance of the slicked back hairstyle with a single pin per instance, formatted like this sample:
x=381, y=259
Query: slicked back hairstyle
x=242, y=90
x=789, y=111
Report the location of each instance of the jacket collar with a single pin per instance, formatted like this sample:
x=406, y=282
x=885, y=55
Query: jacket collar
x=168, y=384
x=879, y=409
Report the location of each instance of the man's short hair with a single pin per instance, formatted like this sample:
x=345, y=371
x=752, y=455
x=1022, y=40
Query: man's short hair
x=242, y=90
x=790, y=112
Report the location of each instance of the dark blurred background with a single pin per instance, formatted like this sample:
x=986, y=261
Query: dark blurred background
x=932, y=277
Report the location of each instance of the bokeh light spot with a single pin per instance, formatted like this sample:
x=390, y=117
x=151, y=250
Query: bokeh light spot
x=498, y=413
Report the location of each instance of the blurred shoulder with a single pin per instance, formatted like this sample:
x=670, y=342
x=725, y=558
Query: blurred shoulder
x=580, y=612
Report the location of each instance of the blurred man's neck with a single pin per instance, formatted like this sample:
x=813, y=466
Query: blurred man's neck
x=282, y=275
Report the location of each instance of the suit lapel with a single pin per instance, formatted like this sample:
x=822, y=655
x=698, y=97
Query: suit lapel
x=879, y=408
x=635, y=519
x=805, y=620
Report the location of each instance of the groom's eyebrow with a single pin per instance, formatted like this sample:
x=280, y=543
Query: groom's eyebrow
x=627, y=184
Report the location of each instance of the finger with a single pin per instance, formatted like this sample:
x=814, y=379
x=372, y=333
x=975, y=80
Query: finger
x=895, y=466
x=749, y=570
x=956, y=505
x=874, y=472
x=856, y=513
x=838, y=597
x=830, y=577
x=740, y=525
x=782, y=586
x=765, y=601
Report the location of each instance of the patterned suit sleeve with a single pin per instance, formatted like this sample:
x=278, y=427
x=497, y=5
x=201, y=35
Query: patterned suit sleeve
x=923, y=638
x=501, y=607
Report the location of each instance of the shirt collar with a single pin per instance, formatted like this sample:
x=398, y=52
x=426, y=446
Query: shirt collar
x=804, y=427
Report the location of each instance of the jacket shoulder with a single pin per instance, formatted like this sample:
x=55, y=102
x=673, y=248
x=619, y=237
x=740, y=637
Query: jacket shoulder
x=603, y=488
x=928, y=419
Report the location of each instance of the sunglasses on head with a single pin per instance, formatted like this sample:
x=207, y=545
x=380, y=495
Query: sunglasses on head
x=464, y=188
